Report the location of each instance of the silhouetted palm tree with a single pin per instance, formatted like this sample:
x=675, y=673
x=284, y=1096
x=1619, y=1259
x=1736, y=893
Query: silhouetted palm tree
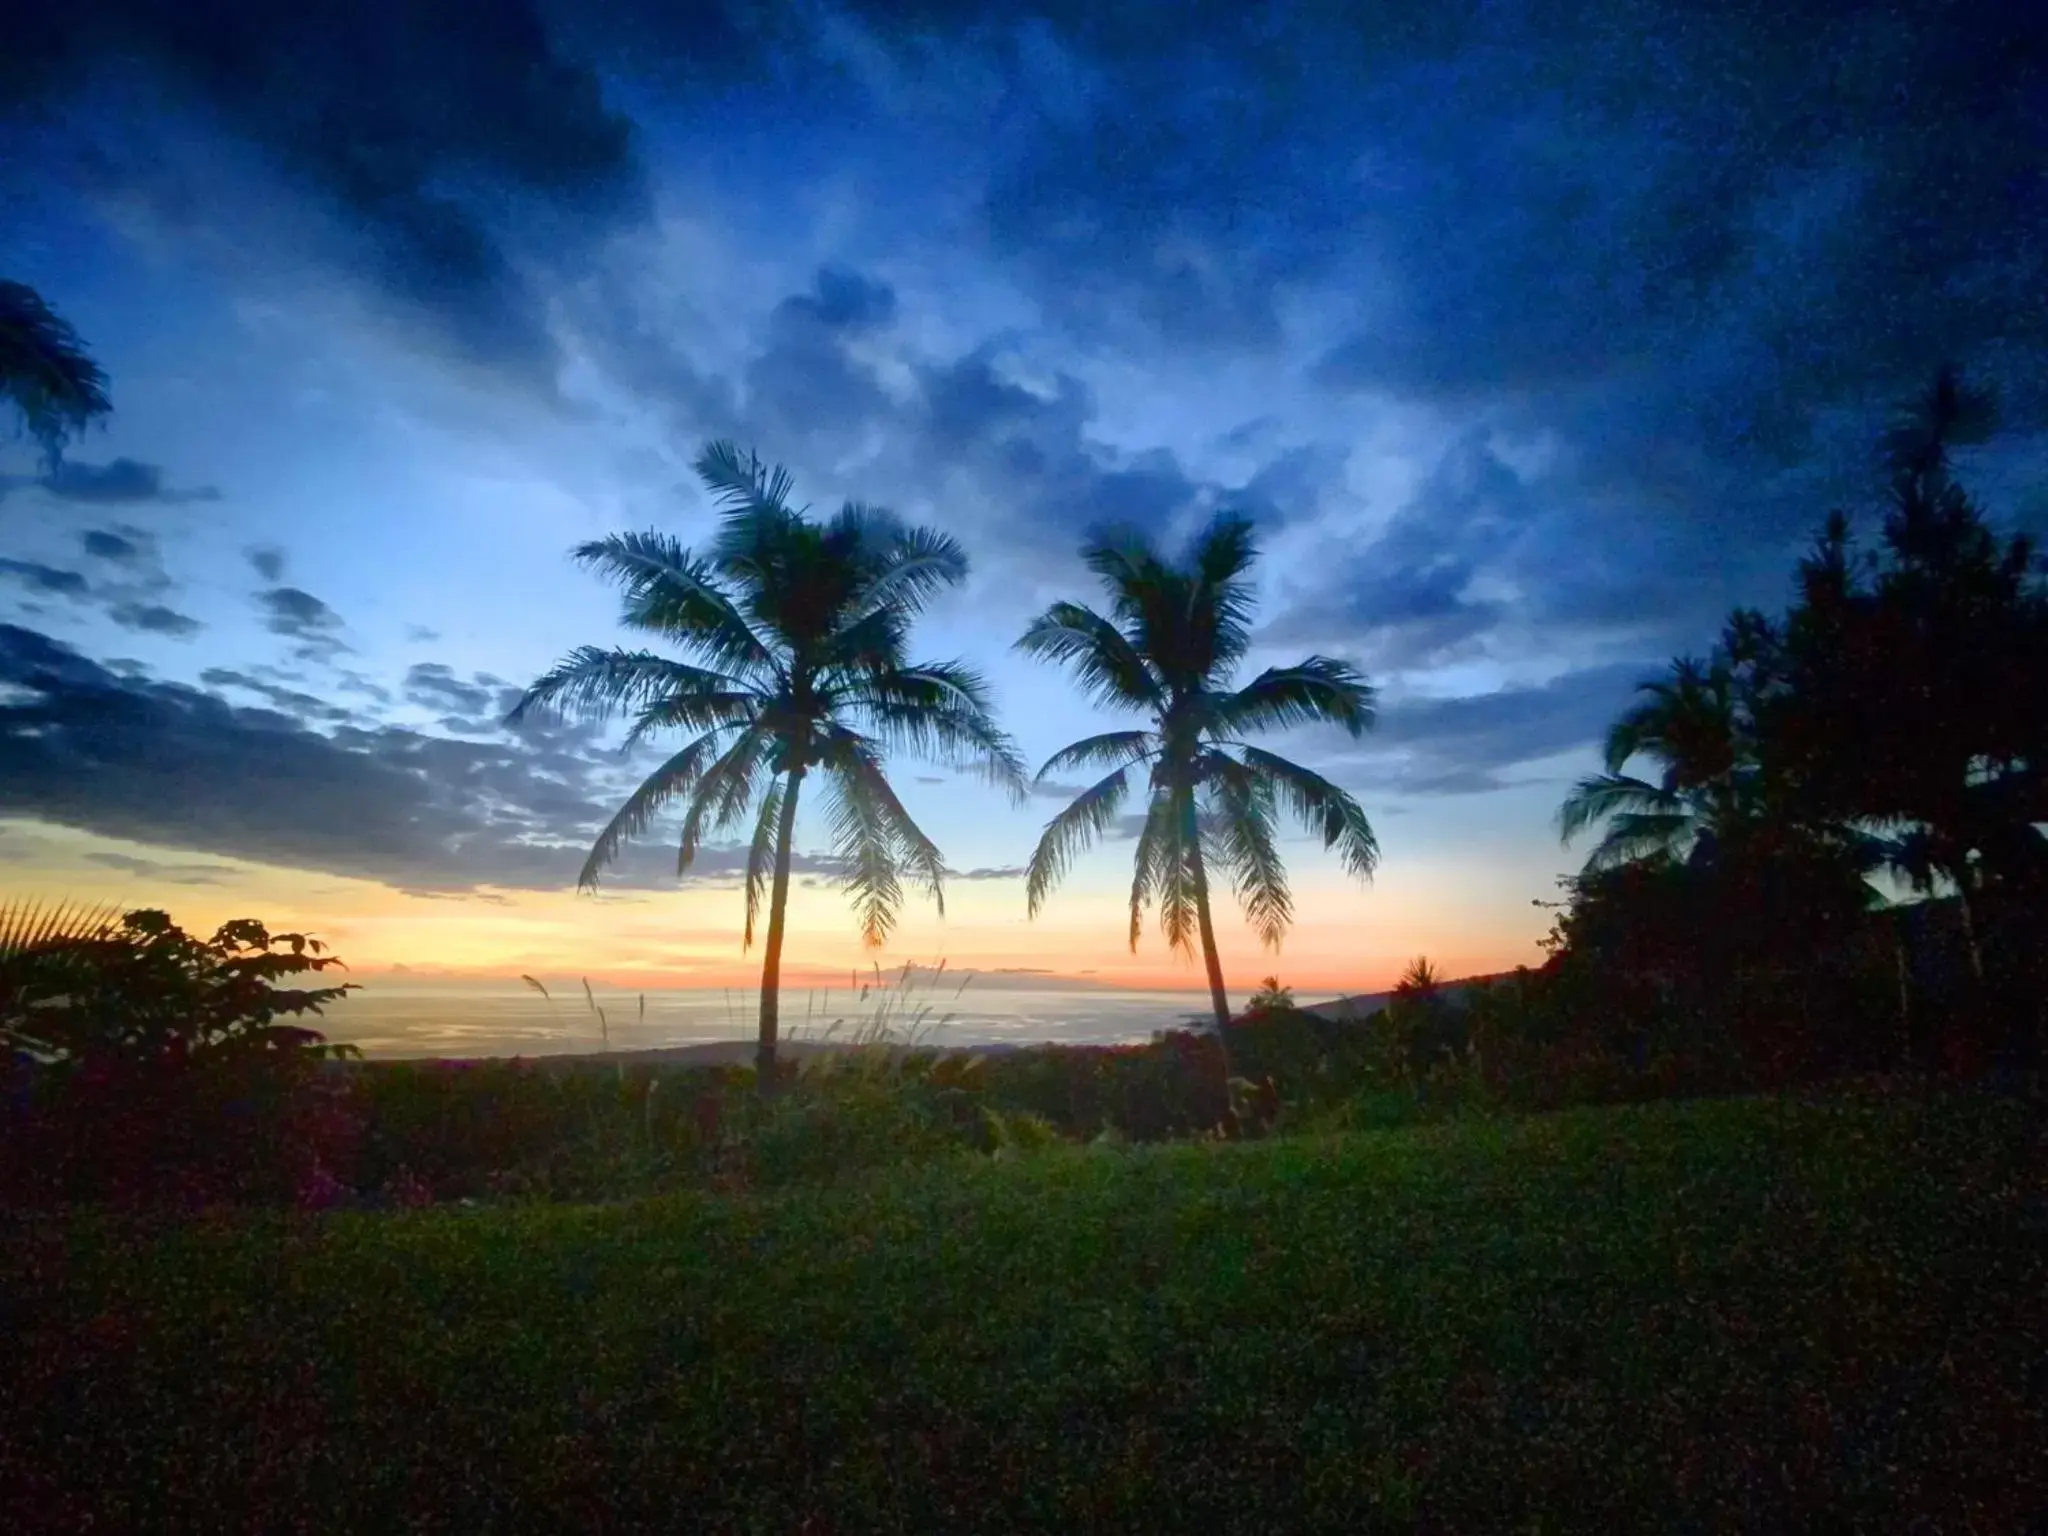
x=1688, y=725
x=798, y=630
x=1174, y=636
x=45, y=373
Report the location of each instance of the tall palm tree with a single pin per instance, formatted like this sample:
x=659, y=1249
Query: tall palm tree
x=798, y=632
x=1174, y=634
x=45, y=372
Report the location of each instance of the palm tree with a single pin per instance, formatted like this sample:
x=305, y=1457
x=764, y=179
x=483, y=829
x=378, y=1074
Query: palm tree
x=797, y=630
x=1174, y=635
x=45, y=373
x=1689, y=724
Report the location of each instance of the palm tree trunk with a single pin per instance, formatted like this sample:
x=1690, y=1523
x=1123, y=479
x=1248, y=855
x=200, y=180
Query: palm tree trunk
x=771, y=957
x=1906, y=1054
x=1218, y=998
x=1969, y=917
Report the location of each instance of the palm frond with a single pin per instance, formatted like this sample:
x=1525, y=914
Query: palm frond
x=1148, y=863
x=1243, y=834
x=673, y=593
x=30, y=924
x=697, y=712
x=871, y=644
x=876, y=837
x=1633, y=836
x=1218, y=604
x=744, y=482
x=1116, y=749
x=915, y=566
x=1177, y=887
x=1322, y=807
x=598, y=682
x=1105, y=661
x=45, y=371
x=940, y=711
x=1320, y=690
x=864, y=847
x=1069, y=833
x=761, y=858
x=1597, y=797
x=723, y=792
x=678, y=776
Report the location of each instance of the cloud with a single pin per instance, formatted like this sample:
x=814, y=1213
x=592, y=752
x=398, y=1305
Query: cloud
x=420, y=634
x=289, y=701
x=808, y=382
x=1468, y=744
x=128, y=591
x=119, y=546
x=155, y=619
x=845, y=300
x=174, y=766
x=48, y=579
x=1053, y=789
x=477, y=707
x=298, y=615
x=1418, y=594
x=453, y=151
x=116, y=482
x=988, y=872
x=156, y=870
x=267, y=561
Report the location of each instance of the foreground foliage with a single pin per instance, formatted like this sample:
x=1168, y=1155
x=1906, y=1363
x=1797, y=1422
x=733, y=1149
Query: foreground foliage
x=1730, y=1315
x=144, y=1065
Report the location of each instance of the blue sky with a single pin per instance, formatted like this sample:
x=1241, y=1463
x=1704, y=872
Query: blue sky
x=1533, y=337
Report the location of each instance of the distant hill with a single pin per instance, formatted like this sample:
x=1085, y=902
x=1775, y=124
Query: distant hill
x=1364, y=1005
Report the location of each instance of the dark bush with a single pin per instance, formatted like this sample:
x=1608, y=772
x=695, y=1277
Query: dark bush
x=146, y=1066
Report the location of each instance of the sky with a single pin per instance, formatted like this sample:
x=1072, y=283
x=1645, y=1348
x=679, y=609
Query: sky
x=1531, y=336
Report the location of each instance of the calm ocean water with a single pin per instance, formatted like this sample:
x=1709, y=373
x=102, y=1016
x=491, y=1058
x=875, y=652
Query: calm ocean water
x=394, y=1018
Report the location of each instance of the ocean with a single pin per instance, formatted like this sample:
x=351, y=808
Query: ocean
x=396, y=1018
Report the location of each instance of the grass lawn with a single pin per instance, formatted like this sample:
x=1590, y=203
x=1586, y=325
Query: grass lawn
x=1716, y=1316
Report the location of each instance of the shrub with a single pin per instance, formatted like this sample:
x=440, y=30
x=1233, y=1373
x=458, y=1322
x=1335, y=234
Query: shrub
x=146, y=1064
x=822, y=1130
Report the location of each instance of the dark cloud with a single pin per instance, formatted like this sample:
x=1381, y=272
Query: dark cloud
x=988, y=872
x=289, y=701
x=843, y=299
x=157, y=870
x=983, y=430
x=118, y=546
x=452, y=146
x=116, y=482
x=419, y=634
x=267, y=561
x=1027, y=450
x=130, y=589
x=299, y=615
x=51, y=580
x=474, y=708
x=1468, y=744
x=155, y=619
x=1412, y=596
x=179, y=767
x=808, y=382
x=1052, y=789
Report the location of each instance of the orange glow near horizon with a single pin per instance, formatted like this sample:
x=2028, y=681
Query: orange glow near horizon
x=1345, y=940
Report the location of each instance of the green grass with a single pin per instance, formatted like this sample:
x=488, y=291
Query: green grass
x=1731, y=1315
